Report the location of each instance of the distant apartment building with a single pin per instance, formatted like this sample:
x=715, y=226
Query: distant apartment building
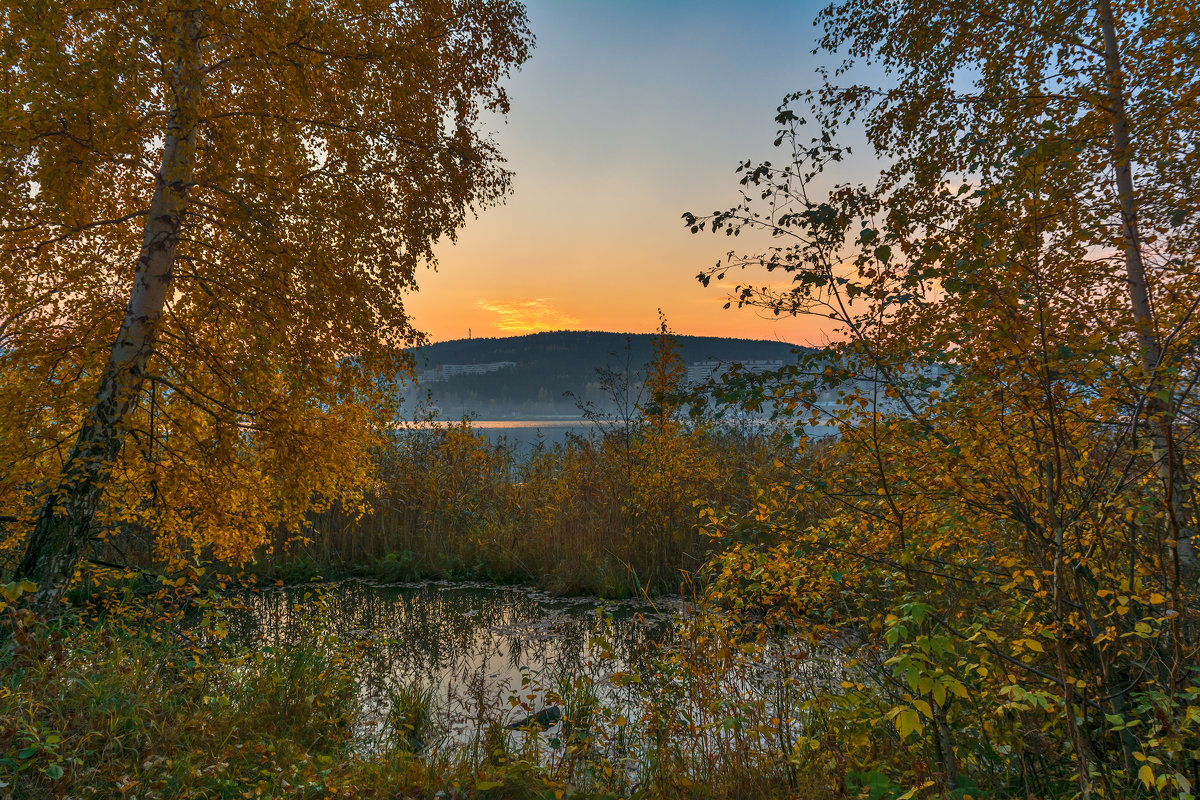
x=702, y=371
x=447, y=371
x=912, y=386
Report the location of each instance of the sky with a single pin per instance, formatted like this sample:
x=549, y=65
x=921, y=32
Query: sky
x=629, y=113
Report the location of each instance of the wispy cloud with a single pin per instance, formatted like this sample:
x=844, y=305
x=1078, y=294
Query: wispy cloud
x=528, y=316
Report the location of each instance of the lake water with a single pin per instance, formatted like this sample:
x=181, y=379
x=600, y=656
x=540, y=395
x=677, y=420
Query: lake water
x=530, y=433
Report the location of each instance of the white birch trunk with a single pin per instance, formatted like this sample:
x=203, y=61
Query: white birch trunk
x=1180, y=548
x=64, y=527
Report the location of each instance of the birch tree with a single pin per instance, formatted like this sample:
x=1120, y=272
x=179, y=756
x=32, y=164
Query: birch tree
x=1107, y=91
x=211, y=212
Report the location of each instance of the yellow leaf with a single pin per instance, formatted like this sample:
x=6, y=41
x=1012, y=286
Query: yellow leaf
x=908, y=795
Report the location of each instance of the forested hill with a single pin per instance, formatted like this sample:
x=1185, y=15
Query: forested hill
x=549, y=364
x=592, y=347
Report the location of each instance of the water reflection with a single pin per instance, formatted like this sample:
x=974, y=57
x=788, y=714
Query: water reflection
x=482, y=651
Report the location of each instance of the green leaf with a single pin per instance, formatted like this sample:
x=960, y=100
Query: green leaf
x=908, y=721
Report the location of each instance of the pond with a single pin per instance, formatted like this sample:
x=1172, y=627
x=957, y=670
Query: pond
x=615, y=690
x=477, y=652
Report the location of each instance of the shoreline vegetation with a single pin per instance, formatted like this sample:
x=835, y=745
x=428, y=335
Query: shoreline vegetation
x=609, y=514
x=612, y=512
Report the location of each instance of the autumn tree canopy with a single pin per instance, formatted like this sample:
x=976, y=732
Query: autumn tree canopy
x=211, y=212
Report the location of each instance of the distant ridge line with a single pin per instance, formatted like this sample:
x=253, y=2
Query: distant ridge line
x=589, y=332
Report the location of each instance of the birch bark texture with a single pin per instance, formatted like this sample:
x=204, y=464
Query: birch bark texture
x=1179, y=548
x=65, y=523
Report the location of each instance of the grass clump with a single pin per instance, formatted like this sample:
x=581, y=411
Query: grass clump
x=106, y=707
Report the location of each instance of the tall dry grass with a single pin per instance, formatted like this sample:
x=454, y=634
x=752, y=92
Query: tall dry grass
x=612, y=514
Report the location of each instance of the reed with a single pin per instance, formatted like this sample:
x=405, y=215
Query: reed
x=612, y=514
